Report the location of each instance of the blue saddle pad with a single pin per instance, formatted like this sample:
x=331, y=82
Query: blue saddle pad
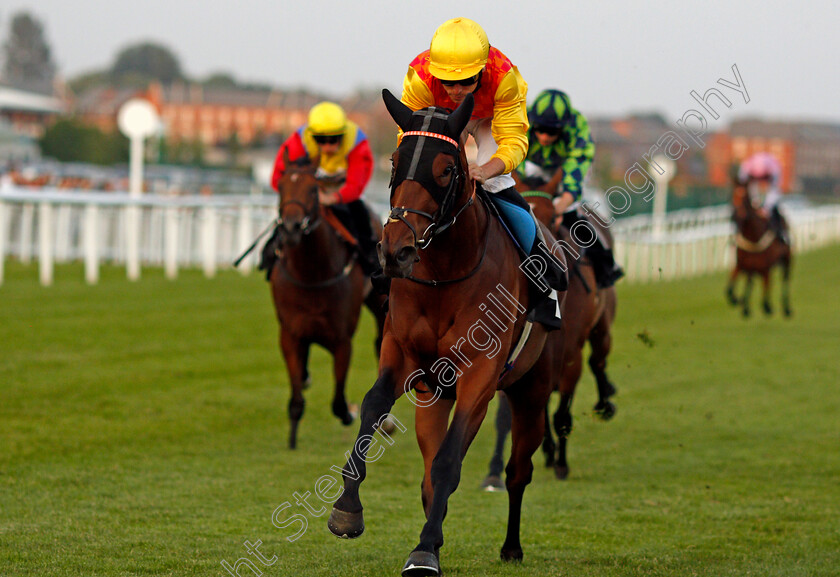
x=520, y=221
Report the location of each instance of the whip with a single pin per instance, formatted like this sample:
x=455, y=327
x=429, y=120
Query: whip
x=248, y=250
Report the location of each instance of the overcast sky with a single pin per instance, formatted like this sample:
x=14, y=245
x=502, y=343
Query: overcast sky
x=612, y=57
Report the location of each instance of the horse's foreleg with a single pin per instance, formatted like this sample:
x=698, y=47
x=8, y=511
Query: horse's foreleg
x=730, y=287
x=563, y=428
x=377, y=305
x=346, y=519
x=493, y=481
x=786, y=286
x=295, y=353
x=526, y=407
x=341, y=364
x=549, y=447
x=445, y=473
x=430, y=424
x=601, y=341
x=765, y=292
x=745, y=303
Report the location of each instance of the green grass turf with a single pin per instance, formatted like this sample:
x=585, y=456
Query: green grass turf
x=143, y=431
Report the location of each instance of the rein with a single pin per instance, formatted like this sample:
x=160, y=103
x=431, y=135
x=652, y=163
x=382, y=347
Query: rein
x=345, y=272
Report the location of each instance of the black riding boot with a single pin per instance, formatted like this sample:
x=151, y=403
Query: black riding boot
x=269, y=256
x=544, y=304
x=367, y=257
x=777, y=226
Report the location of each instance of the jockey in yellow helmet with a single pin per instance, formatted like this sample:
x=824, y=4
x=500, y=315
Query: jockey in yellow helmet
x=461, y=61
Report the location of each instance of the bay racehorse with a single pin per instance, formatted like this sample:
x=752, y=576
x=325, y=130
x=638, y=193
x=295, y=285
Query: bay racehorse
x=457, y=311
x=588, y=316
x=318, y=288
x=758, y=249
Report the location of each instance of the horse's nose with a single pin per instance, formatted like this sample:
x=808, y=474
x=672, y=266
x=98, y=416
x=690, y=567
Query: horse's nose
x=406, y=256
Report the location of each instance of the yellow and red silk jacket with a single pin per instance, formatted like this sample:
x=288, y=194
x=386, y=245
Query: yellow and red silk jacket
x=500, y=96
x=353, y=161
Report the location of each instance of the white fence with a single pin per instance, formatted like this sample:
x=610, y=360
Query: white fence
x=700, y=241
x=55, y=226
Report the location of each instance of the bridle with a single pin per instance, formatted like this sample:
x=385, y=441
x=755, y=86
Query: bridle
x=398, y=213
x=312, y=214
x=436, y=227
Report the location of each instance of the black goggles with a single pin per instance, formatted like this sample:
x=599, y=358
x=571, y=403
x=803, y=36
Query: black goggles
x=331, y=139
x=548, y=130
x=465, y=82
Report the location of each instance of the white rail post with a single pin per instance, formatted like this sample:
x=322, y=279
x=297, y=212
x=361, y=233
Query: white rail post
x=3, y=232
x=170, y=243
x=91, y=246
x=245, y=232
x=208, y=241
x=27, y=217
x=45, y=248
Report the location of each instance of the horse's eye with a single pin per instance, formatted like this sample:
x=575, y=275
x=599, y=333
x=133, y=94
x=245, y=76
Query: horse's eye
x=448, y=170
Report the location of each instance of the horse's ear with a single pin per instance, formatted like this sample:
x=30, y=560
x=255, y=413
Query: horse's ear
x=398, y=111
x=458, y=120
x=286, y=157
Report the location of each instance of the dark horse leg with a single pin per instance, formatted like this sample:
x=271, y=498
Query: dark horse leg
x=527, y=404
x=445, y=474
x=341, y=364
x=600, y=340
x=765, y=292
x=549, y=447
x=745, y=301
x=296, y=354
x=493, y=481
x=346, y=519
x=786, y=310
x=730, y=287
x=563, y=427
x=377, y=305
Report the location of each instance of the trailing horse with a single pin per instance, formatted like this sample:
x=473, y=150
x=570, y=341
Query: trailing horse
x=758, y=249
x=456, y=316
x=588, y=316
x=318, y=289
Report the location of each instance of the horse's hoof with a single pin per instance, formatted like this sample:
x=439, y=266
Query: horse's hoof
x=346, y=525
x=511, y=555
x=493, y=484
x=768, y=310
x=606, y=410
x=549, y=459
x=561, y=472
x=388, y=426
x=421, y=564
x=788, y=313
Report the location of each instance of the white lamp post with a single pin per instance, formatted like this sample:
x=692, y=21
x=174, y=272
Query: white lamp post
x=660, y=199
x=138, y=120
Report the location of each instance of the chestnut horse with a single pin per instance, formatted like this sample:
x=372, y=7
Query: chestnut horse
x=589, y=315
x=318, y=289
x=758, y=250
x=456, y=313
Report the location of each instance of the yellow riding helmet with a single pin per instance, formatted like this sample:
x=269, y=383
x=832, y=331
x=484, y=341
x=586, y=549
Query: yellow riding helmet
x=327, y=119
x=459, y=50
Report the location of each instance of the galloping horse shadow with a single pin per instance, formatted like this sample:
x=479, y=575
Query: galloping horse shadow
x=589, y=315
x=318, y=288
x=456, y=314
x=758, y=250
